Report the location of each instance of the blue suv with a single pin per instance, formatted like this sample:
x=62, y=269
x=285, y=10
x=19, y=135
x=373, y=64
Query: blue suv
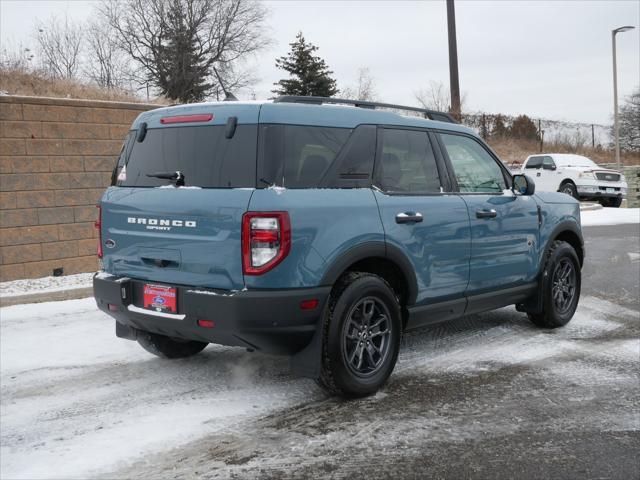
x=322, y=229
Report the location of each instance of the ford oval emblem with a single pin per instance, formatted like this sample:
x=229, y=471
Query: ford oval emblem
x=158, y=300
x=109, y=243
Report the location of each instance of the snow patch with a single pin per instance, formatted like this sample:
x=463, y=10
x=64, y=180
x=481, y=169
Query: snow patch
x=610, y=216
x=45, y=284
x=277, y=189
x=214, y=294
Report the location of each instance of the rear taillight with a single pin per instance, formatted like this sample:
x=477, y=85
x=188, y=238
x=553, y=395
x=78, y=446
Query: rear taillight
x=266, y=240
x=98, y=225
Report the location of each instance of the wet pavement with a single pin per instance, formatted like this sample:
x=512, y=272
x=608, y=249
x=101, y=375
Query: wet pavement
x=486, y=396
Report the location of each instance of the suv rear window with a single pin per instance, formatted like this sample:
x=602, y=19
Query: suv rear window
x=204, y=156
x=298, y=156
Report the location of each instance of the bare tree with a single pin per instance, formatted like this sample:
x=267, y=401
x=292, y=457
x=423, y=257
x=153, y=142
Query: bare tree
x=437, y=97
x=106, y=65
x=17, y=58
x=630, y=122
x=365, y=88
x=209, y=36
x=60, y=46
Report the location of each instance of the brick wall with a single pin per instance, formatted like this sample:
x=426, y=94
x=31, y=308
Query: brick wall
x=56, y=157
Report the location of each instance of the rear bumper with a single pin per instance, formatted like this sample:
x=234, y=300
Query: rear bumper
x=267, y=320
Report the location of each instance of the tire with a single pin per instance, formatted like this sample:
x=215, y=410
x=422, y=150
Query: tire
x=612, y=202
x=561, y=283
x=350, y=368
x=570, y=189
x=167, y=347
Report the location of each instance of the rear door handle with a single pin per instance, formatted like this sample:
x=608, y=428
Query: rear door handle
x=409, y=217
x=486, y=213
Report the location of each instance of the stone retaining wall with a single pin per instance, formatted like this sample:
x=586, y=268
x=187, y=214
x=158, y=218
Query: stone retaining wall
x=56, y=157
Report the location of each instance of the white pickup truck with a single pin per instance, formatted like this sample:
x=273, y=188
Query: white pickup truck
x=577, y=176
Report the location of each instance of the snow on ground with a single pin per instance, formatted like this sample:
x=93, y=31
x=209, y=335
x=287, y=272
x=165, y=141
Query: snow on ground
x=610, y=216
x=77, y=401
x=45, y=284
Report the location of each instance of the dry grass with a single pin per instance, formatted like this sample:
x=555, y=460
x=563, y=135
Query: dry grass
x=513, y=151
x=17, y=82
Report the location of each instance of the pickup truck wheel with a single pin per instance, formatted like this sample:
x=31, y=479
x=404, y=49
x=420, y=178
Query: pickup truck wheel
x=167, y=347
x=570, y=189
x=611, y=202
x=362, y=329
x=561, y=282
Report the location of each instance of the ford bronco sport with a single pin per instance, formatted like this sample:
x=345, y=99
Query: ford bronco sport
x=322, y=229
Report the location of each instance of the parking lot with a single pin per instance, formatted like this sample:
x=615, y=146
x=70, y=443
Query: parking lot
x=486, y=396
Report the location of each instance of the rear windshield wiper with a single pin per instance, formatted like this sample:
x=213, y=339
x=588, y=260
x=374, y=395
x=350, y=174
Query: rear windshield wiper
x=178, y=176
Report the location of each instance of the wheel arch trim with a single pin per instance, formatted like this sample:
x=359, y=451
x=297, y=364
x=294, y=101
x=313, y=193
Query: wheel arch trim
x=374, y=250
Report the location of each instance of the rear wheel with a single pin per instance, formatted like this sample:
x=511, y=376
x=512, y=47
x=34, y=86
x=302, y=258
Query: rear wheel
x=614, y=202
x=561, y=284
x=362, y=329
x=167, y=347
x=570, y=189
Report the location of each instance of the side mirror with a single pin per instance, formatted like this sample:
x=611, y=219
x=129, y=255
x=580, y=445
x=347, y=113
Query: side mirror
x=523, y=185
x=546, y=166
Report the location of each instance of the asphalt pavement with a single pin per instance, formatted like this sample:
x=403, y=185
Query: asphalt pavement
x=488, y=396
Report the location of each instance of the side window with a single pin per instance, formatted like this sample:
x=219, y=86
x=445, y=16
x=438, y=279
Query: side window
x=354, y=165
x=407, y=163
x=534, y=162
x=295, y=156
x=475, y=169
x=548, y=163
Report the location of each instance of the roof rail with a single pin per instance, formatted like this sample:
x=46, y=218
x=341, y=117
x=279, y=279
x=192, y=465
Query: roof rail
x=430, y=114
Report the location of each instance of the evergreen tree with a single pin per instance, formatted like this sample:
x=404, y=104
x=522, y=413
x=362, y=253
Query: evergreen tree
x=524, y=128
x=309, y=74
x=186, y=74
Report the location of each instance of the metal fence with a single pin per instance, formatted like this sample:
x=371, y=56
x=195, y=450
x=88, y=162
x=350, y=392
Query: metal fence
x=574, y=135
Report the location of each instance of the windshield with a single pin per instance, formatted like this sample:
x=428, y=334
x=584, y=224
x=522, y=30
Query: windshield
x=576, y=161
x=202, y=154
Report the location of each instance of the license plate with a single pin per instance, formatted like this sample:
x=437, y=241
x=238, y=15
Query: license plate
x=160, y=298
x=611, y=190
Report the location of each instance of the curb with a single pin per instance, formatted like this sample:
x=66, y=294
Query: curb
x=55, y=296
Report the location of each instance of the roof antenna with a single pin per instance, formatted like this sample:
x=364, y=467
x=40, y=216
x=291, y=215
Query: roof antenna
x=228, y=96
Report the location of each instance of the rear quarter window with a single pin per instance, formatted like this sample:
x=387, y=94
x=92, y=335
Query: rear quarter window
x=298, y=156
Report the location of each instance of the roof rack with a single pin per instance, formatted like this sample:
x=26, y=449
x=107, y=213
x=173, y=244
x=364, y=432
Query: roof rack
x=430, y=114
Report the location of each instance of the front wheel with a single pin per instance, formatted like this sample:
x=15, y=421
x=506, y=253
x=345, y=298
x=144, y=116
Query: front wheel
x=570, y=189
x=561, y=282
x=361, y=340
x=167, y=347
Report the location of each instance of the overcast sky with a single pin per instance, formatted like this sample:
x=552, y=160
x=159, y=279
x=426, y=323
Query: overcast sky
x=547, y=59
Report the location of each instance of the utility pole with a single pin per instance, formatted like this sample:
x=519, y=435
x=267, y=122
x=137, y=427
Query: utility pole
x=454, y=83
x=615, y=90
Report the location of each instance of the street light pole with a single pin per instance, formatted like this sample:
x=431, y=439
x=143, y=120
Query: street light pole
x=454, y=84
x=615, y=92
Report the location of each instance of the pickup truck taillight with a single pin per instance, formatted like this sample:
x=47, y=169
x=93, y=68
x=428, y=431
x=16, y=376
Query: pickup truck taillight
x=266, y=241
x=98, y=225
